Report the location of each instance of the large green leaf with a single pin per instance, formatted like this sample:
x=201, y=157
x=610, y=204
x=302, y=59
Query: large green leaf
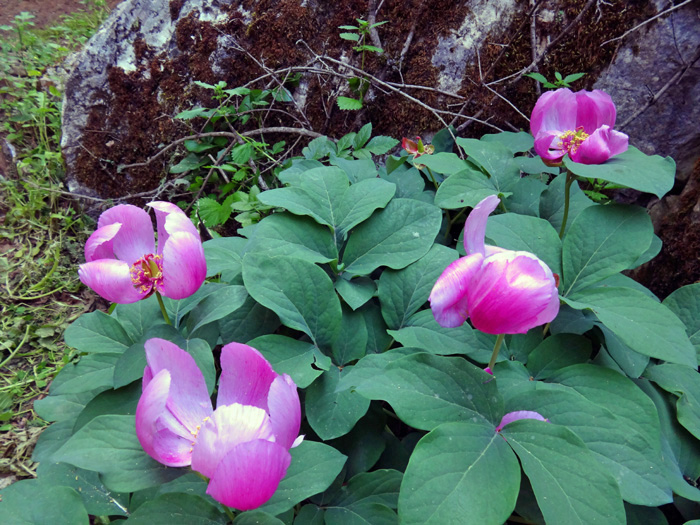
x=359, y=201
x=97, y=332
x=443, y=162
x=529, y=234
x=683, y=382
x=178, y=509
x=314, y=467
x=298, y=291
x=403, y=292
x=248, y=322
x=290, y=356
x=224, y=254
x=356, y=292
x=641, y=323
x=256, y=517
x=351, y=343
x=361, y=514
x=284, y=234
x=602, y=241
x=136, y=318
x=427, y=390
x=556, y=352
x=685, y=303
x=215, y=306
x=632, y=457
x=460, y=473
x=395, y=237
x=634, y=169
x=31, y=502
x=379, y=486
x=570, y=485
x=465, y=188
x=121, y=401
x=495, y=158
x=516, y=142
x=333, y=413
x=108, y=445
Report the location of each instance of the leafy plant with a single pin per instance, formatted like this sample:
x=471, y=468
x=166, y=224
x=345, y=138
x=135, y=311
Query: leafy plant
x=558, y=82
x=358, y=85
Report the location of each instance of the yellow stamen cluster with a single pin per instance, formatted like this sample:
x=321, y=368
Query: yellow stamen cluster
x=571, y=140
x=196, y=430
x=147, y=273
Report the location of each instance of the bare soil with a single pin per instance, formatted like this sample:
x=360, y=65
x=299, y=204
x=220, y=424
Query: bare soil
x=45, y=11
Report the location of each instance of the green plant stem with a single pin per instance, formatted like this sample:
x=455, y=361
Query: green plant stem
x=21, y=343
x=567, y=193
x=450, y=222
x=111, y=308
x=432, y=177
x=496, y=348
x=229, y=513
x=162, y=309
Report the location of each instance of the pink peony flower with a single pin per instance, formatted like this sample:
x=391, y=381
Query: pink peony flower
x=243, y=445
x=520, y=414
x=579, y=124
x=501, y=291
x=122, y=264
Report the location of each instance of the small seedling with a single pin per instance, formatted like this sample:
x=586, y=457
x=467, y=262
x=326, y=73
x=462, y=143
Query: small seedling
x=559, y=81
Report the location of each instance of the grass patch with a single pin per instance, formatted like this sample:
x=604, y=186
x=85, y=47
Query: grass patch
x=41, y=233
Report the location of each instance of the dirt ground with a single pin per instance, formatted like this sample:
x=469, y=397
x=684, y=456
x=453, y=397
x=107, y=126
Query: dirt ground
x=45, y=11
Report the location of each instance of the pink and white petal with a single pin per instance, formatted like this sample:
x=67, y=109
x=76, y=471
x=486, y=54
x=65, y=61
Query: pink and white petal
x=595, y=149
x=110, y=279
x=147, y=377
x=149, y=408
x=520, y=414
x=448, y=298
x=509, y=293
x=99, y=245
x=172, y=449
x=249, y=474
x=550, y=312
x=618, y=143
x=475, y=225
x=135, y=237
x=189, y=401
x=184, y=265
x=548, y=145
x=594, y=109
x=554, y=110
x=246, y=376
x=285, y=410
x=229, y=426
x=163, y=211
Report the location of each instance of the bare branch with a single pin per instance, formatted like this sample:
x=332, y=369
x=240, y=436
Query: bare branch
x=646, y=22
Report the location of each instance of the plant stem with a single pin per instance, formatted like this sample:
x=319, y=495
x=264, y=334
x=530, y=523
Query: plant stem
x=567, y=192
x=229, y=513
x=162, y=309
x=111, y=308
x=432, y=177
x=496, y=348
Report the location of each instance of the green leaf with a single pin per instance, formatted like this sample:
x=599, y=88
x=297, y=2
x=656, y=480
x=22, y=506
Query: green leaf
x=362, y=136
x=356, y=292
x=256, y=517
x=395, y=237
x=463, y=189
x=685, y=303
x=348, y=104
x=136, y=318
x=31, y=502
x=189, y=163
x=446, y=163
x=248, y=322
x=683, y=382
x=97, y=499
x=495, y=158
x=529, y=234
x=570, y=485
x=355, y=169
x=640, y=322
x=427, y=390
x=99, y=333
x=298, y=291
x=602, y=241
x=350, y=36
x=381, y=145
x=215, y=306
x=108, y=445
x=333, y=414
x=351, y=343
x=359, y=202
x=403, y=292
x=515, y=142
x=178, y=509
x=552, y=202
x=121, y=401
x=556, y=352
x=223, y=254
x=361, y=514
x=314, y=467
x=536, y=76
x=212, y=213
x=379, y=486
x=289, y=356
x=461, y=472
x=363, y=446
x=633, y=169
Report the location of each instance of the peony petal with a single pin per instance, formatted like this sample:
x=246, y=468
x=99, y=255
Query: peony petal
x=172, y=449
x=554, y=110
x=475, y=226
x=170, y=219
x=285, y=410
x=593, y=110
x=548, y=145
x=448, y=299
x=617, y=142
x=184, y=265
x=135, y=237
x=188, y=401
x=229, y=426
x=509, y=293
x=150, y=406
x=111, y=279
x=515, y=416
x=246, y=376
x=409, y=145
x=595, y=149
x=99, y=245
x=249, y=474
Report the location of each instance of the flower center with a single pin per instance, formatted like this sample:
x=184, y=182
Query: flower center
x=147, y=273
x=571, y=140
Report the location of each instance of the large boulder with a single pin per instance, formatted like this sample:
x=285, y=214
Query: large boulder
x=139, y=71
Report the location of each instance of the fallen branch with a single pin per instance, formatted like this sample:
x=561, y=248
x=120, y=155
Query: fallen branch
x=645, y=22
